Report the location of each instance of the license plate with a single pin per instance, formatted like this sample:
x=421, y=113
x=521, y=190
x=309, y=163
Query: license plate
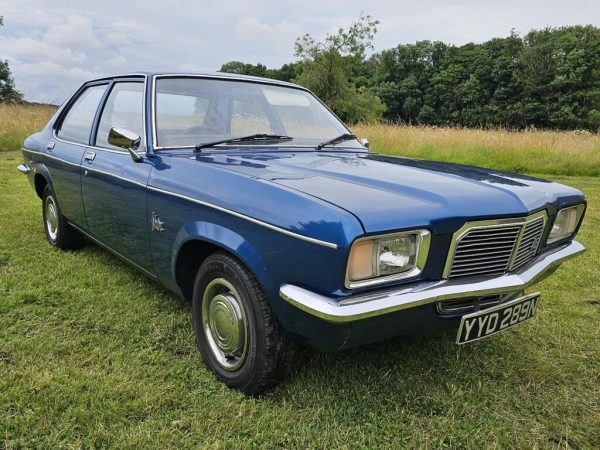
x=481, y=324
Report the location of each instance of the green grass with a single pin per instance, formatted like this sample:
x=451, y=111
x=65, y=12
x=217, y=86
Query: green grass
x=92, y=354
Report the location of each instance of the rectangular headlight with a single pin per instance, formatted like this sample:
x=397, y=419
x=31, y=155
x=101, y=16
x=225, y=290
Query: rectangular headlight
x=565, y=223
x=388, y=257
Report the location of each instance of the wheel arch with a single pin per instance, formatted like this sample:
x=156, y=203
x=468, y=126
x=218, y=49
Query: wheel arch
x=198, y=240
x=41, y=179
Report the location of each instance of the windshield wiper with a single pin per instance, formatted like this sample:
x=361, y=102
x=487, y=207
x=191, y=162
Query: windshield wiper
x=336, y=140
x=259, y=137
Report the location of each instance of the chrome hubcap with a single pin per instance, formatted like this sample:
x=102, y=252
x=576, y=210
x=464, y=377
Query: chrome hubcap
x=51, y=218
x=225, y=324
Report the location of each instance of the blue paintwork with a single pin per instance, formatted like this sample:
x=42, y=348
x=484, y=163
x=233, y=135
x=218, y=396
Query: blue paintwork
x=399, y=193
x=334, y=196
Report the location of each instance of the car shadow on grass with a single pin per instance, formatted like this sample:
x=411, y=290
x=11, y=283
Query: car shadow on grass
x=421, y=373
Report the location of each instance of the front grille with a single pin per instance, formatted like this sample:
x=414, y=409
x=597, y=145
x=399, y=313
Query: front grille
x=485, y=251
x=530, y=242
x=495, y=247
x=474, y=304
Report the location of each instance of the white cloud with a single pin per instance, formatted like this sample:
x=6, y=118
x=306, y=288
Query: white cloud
x=77, y=32
x=250, y=28
x=54, y=46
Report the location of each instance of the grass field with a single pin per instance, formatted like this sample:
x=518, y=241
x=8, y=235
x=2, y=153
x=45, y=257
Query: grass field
x=19, y=121
x=92, y=354
x=529, y=151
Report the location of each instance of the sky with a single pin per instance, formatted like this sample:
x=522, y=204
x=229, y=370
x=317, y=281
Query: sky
x=54, y=46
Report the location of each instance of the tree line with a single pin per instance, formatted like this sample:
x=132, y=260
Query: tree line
x=548, y=78
x=8, y=92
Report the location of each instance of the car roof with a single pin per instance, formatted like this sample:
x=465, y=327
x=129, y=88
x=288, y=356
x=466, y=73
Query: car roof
x=222, y=75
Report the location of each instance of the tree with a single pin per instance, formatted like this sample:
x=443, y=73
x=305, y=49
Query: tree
x=330, y=68
x=286, y=73
x=560, y=76
x=549, y=78
x=240, y=68
x=402, y=77
x=8, y=92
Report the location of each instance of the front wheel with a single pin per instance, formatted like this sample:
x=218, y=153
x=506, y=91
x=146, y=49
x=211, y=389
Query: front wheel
x=239, y=338
x=58, y=232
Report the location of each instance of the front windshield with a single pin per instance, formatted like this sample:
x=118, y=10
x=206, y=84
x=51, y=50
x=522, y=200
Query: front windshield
x=192, y=111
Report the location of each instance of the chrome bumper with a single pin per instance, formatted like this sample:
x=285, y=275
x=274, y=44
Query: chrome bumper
x=362, y=306
x=24, y=169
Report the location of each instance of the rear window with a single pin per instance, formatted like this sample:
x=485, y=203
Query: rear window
x=77, y=123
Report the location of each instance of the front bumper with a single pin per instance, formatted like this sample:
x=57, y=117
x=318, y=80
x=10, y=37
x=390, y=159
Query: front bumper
x=367, y=305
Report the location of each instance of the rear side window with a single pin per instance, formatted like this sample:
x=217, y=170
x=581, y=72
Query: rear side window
x=77, y=123
x=124, y=109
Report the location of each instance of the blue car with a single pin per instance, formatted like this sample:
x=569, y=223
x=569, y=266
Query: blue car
x=250, y=198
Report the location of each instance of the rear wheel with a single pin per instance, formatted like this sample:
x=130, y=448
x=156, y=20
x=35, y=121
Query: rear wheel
x=58, y=232
x=237, y=334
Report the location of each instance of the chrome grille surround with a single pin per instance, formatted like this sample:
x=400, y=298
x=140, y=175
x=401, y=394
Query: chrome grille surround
x=494, y=247
x=529, y=242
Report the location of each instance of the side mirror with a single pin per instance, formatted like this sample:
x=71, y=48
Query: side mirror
x=120, y=137
x=365, y=142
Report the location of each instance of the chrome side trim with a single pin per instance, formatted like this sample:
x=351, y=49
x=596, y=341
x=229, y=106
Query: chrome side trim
x=363, y=306
x=68, y=163
x=200, y=202
x=462, y=231
x=248, y=218
x=24, y=169
x=127, y=260
x=93, y=147
x=89, y=168
x=118, y=177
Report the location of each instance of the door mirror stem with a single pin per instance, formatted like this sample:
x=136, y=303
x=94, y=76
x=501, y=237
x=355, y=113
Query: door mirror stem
x=134, y=155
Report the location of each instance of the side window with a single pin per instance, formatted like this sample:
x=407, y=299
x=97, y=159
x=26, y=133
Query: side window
x=124, y=108
x=77, y=124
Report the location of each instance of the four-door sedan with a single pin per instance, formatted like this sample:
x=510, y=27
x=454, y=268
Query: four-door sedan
x=250, y=198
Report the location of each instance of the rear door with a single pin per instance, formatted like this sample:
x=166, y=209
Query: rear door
x=65, y=151
x=113, y=185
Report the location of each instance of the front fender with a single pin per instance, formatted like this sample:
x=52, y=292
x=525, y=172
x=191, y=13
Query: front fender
x=227, y=240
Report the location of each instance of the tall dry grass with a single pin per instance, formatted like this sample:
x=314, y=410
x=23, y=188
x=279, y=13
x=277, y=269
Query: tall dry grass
x=528, y=151
x=19, y=121
x=532, y=151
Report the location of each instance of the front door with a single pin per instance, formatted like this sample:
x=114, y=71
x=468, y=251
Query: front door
x=113, y=185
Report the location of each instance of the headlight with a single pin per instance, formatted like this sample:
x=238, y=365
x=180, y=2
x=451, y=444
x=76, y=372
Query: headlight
x=565, y=223
x=389, y=257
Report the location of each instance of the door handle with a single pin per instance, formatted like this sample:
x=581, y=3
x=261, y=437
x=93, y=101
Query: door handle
x=89, y=156
x=50, y=146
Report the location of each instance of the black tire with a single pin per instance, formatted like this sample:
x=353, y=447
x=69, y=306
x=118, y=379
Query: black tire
x=267, y=351
x=58, y=232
